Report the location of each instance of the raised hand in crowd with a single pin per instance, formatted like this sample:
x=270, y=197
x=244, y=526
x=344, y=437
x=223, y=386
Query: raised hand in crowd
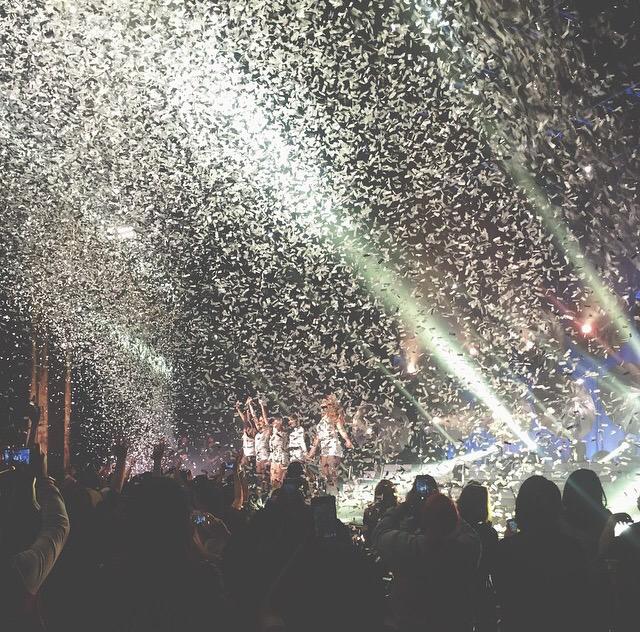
x=120, y=451
x=157, y=455
x=608, y=533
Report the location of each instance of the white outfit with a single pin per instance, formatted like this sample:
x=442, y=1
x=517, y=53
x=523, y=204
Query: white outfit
x=262, y=446
x=329, y=438
x=297, y=444
x=279, y=446
x=248, y=445
x=35, y=563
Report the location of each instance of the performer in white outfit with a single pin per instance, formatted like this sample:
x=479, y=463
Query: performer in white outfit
x=248, y=437
x=249, y=444
x=328, y=433
x=261, y=444
x=297, y=441
x=279, y=452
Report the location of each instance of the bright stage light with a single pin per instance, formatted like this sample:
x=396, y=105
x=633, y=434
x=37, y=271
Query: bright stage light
x=125, y=232
x=409, y=397
x=624, y=493
x=433, y=334
x=446, y=466
x=586, y=328
x=620, y=528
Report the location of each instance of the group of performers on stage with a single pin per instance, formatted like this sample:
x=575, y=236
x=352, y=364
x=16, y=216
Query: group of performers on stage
x=270, y=444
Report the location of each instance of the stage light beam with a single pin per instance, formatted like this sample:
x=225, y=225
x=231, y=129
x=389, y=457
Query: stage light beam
x=304, y=199
x=432, y=334
x=568, y=243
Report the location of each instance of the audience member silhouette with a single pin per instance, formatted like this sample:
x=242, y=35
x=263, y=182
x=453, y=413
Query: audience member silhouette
x=257, y=555
x=540, y=573
x=162, y=581
x=328, y=584
x=435, y=567
x=585, y=512
x=473, y=505
x=384, y=499
x=33, y=531
x=623, y=559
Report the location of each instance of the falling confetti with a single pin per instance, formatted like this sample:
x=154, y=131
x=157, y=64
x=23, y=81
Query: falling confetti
x=207, y=201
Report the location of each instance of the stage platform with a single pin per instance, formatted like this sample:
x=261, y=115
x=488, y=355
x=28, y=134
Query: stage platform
x=621, y=482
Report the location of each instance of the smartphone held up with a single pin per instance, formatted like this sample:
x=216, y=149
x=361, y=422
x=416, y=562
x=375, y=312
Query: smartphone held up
x=16, y=456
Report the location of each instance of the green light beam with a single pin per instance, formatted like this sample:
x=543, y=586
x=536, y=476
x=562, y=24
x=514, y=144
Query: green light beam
x=570, y=246
x=449, y=356
x=400, y=387
x=455, y=51
x=300, y=200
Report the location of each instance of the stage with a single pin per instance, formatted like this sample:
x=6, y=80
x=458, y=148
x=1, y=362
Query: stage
x=503, y=476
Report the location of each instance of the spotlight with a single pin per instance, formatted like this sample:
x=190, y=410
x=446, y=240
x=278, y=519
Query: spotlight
x=586, y=328
x=125, y=232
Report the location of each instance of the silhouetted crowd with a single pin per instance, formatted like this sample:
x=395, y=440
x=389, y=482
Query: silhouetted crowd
x=164, y=551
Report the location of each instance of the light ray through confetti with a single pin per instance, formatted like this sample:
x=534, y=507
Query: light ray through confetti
x=232, y=99
x=287, y=177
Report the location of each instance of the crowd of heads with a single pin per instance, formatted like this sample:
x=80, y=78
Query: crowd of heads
x=161, y=550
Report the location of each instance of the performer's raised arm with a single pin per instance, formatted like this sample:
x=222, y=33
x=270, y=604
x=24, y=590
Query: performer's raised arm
x=253, y=419
x=263, y=408
x=243, y=415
